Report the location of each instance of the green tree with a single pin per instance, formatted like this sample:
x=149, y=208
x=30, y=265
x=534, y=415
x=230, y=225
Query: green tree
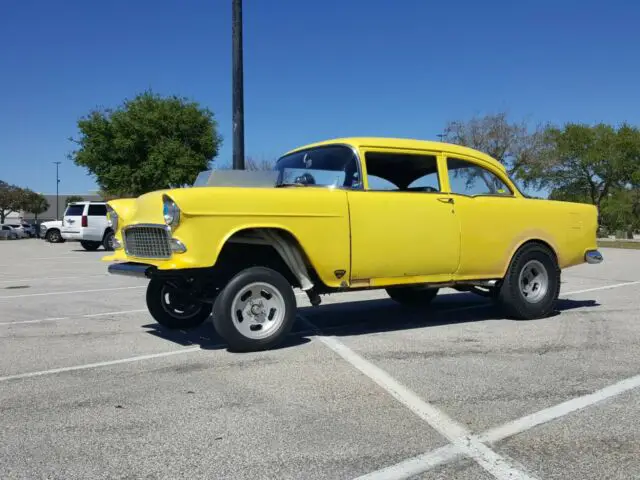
x=586, y=163
x=11, y=199
x=35, y=203
x=514, y=144
x=74, y=198
x=148, y=143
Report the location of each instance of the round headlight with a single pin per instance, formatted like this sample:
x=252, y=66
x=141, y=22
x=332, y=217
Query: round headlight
x=171, y=212
x=112, y=216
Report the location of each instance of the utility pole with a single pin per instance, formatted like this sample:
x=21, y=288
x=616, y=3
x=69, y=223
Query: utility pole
x=57, y=193
x=238, y=87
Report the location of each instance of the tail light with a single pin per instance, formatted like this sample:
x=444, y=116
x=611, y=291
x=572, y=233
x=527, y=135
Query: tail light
x=85, y=221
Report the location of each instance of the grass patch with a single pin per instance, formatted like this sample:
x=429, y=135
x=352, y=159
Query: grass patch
x=619, y=244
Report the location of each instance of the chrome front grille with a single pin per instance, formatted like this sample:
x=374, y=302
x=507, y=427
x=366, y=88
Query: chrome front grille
x=147, y=241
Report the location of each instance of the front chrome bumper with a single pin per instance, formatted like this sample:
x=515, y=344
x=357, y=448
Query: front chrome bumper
x=131, y=269
x=593, y=256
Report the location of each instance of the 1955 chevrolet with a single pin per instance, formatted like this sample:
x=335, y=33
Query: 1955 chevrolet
x=407, y=216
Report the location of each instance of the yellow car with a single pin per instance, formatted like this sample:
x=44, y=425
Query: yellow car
x=349, y=214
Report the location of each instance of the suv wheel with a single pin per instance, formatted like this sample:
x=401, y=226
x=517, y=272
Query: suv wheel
x=173, y=308
x=532, y=284
x=107, y=242
x=413, y=296
x=53, y=236
x=256, y=310
x=90, y=246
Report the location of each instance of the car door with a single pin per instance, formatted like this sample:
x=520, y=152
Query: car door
x=403, y=226
x=489, y=213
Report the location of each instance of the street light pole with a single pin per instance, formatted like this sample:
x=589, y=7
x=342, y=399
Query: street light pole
x=57, y=185
x=238, y=87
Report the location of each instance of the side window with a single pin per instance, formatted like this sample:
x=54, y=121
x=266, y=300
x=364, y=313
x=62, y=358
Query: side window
x=402, y=172
x=97, y=210
x=467, y=178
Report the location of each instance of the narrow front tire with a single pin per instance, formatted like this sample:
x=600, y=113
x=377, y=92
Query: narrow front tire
x=173, y=308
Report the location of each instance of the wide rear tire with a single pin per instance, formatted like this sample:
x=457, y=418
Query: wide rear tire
x=531, y=286
x=171, y=309
x=256, y=310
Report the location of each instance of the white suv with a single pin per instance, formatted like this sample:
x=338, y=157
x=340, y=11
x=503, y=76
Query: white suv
x=87, y=223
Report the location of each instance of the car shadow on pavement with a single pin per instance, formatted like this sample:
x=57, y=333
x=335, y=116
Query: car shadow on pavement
x=363, y=317
x=384, y=315
x=206, y=337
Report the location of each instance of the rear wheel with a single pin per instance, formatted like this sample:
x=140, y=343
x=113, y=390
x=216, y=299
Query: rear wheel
x=90, y=246
x=532, y=284
x=413, y=296
x=175, y=308
x=256, y=310
x=107, y=242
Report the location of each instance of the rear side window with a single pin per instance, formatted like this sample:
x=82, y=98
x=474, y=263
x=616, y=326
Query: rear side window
x=74, y=210
x=466, y=178
x=97, y=210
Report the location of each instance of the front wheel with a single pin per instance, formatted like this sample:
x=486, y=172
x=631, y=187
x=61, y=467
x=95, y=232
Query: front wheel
x=532, y=284
x=256, y=310
x=174, y=308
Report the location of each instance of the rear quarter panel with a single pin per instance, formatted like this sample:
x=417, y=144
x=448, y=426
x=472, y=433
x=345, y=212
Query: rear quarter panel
x=493, y=229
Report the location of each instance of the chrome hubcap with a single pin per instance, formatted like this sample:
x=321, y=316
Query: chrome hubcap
x=533, y=281
x=258, y=310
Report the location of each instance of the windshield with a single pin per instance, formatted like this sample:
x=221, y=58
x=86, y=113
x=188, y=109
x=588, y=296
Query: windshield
x=330, y=166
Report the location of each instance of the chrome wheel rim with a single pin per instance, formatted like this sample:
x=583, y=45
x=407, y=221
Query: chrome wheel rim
x=533, y=281
x=177, y=309
x=258, y=310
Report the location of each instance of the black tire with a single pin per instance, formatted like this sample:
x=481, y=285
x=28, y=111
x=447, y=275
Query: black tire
x=107, y=241
x=90, y=246
x=539, y=302
x=224, y=315
x=413, y=296
x=181, y=315
x=53, y=236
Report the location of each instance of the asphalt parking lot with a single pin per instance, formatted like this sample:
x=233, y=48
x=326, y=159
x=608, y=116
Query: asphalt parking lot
x=90, y=387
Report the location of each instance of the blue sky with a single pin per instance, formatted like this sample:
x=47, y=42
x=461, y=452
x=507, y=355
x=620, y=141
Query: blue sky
x=313, y=69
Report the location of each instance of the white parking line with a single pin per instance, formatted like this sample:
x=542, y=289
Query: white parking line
x=606, y=287
x=69, y=292
x=103, y=364
x=415, y=466
x=69, y=277
x=72, y=317
x=495, y=464
x=543, y=416
x=422, y=463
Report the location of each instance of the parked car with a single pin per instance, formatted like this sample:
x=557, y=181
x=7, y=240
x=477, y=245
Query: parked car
x=407, y=216
x=50, y=231
x=12, y=233
x=18, y=227
x=29, y=229
x=87, y=223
